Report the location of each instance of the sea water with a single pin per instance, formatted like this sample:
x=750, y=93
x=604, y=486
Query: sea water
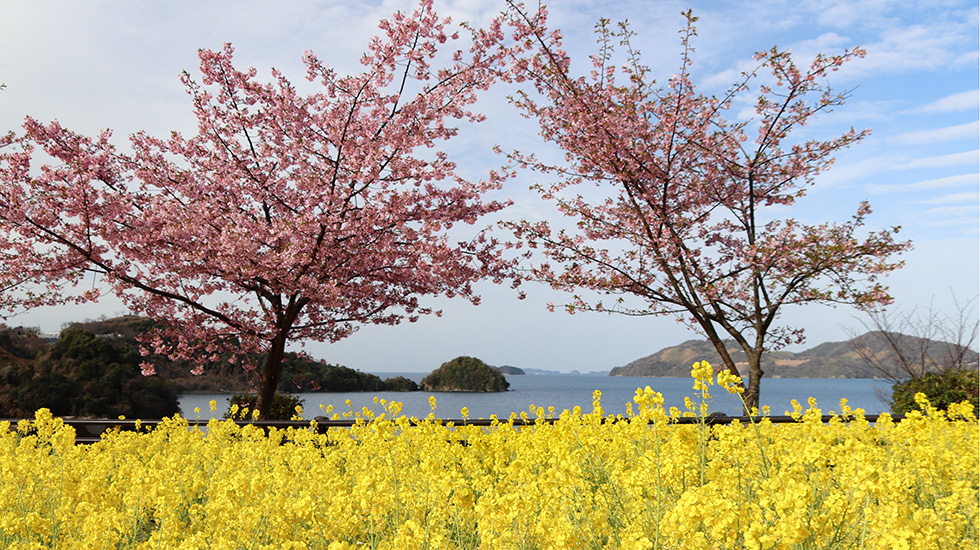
x=567, y=391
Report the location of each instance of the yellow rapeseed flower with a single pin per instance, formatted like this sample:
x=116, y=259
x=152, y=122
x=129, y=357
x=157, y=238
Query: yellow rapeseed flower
x=580, y=482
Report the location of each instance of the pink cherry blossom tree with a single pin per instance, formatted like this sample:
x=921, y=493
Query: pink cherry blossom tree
x=285, y=217
x=678, y=205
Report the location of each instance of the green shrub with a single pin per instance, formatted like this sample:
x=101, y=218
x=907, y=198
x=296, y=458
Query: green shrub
x=942, y=390
x=283, y=406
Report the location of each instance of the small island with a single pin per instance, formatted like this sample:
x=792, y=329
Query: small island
x=465, y=374
x=508, y=369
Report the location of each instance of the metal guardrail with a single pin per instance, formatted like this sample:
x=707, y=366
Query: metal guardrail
x=90, y=430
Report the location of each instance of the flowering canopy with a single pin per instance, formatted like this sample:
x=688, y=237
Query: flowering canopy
x=681, y=221
x=285, y=217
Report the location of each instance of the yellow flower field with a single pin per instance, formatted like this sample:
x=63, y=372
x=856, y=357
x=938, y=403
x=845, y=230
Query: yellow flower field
x=581, y=482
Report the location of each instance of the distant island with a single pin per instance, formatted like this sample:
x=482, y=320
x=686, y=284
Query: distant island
x=507, y=369
x=465, y=374
x=546, y=372
x=827, y=360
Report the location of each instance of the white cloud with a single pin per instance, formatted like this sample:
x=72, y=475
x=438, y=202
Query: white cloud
x=968, y=58
x=938, y=183
x=913, y=47
x=847, y=13
x=961, y=101
x=943, y=161
x=937, y=135
x=951, y=215
x=954, y=198
x=723, y=80
x=828, y=42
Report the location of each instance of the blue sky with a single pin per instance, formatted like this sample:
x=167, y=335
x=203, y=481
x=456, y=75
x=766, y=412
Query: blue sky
x=115, y=64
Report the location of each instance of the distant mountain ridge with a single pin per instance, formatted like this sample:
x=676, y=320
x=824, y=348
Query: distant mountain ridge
x=827, y=360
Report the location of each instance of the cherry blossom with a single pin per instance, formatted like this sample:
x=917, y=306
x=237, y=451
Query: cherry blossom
x=684, y=222
x=285, y=217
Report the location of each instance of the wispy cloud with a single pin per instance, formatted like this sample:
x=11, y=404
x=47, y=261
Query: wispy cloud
x=961, y=101
x=826, y=42
x=952, y=213
x=943, y=161
x=938, y=183
x=955, y=198
x=846, y=14
x=911, y=48
x=938, y=135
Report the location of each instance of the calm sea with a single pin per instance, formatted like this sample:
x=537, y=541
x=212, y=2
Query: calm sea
x=566, y=391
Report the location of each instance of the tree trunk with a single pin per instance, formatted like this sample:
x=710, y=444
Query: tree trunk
x=270, y=374
x=751, y=395
x=725, y=357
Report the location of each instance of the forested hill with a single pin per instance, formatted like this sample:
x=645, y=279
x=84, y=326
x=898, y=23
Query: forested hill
x=23, y=355
x=827, y=360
